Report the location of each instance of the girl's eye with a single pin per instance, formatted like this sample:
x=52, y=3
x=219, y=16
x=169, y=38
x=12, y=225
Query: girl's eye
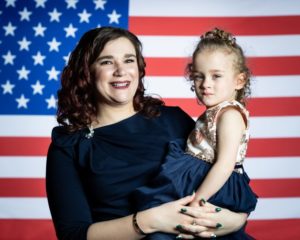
x=197, y=77
x=215, y=76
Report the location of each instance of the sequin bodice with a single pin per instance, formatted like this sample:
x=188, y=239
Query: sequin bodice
x=206, y=145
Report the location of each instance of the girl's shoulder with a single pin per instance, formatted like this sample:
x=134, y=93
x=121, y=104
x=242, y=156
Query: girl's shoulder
x=231, y=108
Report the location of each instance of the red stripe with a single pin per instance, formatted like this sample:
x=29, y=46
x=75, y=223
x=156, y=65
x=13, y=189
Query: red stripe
x=264, y=188
x=258, y=107
x=12, y=229
x=24, y=146
x=270, y=147
x=270, y=188
x=22, y=187
x=274, y=147
x=260, y=66
x=190, y=26
x=43, y=229
x=274, y=229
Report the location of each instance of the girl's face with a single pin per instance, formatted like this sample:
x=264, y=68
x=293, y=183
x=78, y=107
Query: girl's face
x=215, y=77
x=116, y=73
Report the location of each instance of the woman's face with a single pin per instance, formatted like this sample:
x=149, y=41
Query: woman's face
x=116, y=73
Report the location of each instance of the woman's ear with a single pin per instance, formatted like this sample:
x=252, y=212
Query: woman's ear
x=240, y=81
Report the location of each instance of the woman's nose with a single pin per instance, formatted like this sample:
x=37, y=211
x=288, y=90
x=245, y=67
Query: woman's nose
x=119, y=70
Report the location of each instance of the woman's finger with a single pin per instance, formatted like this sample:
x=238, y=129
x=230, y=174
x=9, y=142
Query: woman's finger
x=186, y=200
x=207, y=234
x=185, y=236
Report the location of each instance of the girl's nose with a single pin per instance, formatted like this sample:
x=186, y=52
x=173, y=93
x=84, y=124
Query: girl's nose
x=205, y=83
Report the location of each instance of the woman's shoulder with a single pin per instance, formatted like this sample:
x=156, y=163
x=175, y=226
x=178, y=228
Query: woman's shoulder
x=176, y=118
x=60, y=136
x=173, y=111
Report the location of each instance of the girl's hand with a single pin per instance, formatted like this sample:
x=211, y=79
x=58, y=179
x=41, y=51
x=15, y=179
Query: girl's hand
x=211, y=221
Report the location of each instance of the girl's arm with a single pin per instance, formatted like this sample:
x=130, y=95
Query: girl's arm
x=230, y=128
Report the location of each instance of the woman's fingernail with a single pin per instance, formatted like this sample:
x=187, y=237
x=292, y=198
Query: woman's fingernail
x=179, y=227
x=202, y=200
x=219, y=225
x=213, y=235
x=183, y=210
x=218, y=209
x=178, y=237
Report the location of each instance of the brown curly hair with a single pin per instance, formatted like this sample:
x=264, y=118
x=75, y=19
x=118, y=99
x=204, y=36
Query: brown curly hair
x=216, y=39
x=77, y=104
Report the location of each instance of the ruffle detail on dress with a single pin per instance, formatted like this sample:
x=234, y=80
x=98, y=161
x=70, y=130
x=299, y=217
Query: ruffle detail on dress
x=62, y=138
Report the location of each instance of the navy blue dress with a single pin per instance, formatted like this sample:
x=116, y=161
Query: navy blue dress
x=91, y=179
x=181, y=174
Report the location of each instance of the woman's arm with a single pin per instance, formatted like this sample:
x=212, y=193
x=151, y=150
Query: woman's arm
x=71, y=212
x=163, y=218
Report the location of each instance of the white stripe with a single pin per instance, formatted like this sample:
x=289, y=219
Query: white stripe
x=260, y=127
x=270, y=86
x=272, y=167
x=257, y=168
x=21, y=125
x=24, y=208
x=276, y=208
x=253, y=46
x=22, y=167
x=37, y=208
x=213, y=8
x=276, y=86
x=275, y=127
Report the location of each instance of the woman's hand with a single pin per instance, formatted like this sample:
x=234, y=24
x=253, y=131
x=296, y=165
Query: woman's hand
x=169, y=217
x=211, y=221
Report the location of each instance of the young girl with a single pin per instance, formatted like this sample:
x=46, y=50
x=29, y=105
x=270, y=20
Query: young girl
x=212, y=164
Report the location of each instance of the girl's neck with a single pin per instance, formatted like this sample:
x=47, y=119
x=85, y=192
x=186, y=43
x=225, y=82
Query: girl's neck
x=108, y=115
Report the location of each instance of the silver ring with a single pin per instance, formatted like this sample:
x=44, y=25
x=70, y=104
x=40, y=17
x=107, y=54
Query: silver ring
x=213, y=235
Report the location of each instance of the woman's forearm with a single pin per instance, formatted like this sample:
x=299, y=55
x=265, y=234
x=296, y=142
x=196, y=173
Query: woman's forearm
x=163, y=218
x=121, y=228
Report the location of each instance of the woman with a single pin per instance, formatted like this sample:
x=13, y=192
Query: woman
x=112, y=140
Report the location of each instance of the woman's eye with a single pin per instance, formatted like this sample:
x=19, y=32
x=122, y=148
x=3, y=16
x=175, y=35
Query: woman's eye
x=105, y=62
x=129, y=60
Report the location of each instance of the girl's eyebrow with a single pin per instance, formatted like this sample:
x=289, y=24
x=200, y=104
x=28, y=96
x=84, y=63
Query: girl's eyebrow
x=216, y=70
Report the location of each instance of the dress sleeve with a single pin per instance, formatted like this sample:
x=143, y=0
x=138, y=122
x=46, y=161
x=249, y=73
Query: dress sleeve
x=67, y=201
x=179, y=122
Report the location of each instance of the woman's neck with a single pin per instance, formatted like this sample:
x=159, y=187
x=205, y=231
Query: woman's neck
x=108, y=115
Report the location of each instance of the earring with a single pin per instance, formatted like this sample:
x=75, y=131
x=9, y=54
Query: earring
x=193, y=88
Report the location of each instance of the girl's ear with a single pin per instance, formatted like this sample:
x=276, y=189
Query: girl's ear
x=240, y=81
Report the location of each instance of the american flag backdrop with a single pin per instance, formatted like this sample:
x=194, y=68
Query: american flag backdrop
x=36, y=37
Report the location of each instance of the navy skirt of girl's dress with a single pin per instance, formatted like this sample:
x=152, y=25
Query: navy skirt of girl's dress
x=181, y=175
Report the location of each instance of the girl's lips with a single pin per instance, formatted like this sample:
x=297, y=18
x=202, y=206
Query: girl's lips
x=206, y=94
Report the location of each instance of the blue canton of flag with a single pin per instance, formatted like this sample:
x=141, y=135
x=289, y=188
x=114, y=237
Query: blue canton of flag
x=36, y=38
